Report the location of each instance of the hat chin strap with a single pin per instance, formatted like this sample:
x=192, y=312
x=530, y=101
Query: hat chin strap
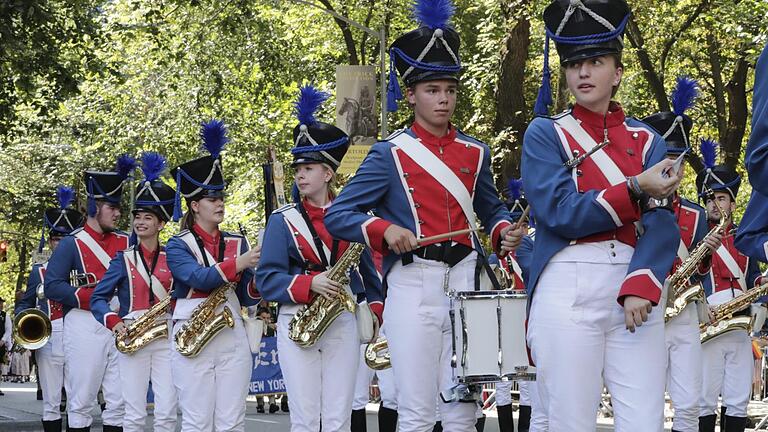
x=437, y=34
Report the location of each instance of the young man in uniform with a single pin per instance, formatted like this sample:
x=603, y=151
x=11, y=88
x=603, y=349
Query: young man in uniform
x=90, y=356
x=727, y=359
x=59, y=222
x=426, y=180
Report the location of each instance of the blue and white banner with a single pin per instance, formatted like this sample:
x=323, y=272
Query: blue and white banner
x=266, y=377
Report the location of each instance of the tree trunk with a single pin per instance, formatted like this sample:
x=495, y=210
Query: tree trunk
x=511, y=111
x=655, y=82
x=731, y=142
x=562, y=92
x=713, y=50
x=346, y=32
x=23, y=256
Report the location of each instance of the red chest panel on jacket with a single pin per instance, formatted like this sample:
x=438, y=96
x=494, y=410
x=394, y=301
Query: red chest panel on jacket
x=231, y=252
x=91, y=263
x=140, y=288
x=687, y=220
x=722, y=276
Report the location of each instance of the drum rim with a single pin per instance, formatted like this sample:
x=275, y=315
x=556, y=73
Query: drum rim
x=489, y=294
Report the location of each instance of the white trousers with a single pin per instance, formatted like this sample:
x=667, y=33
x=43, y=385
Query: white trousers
x=387, y=388
x=504, y=393
x=90, y=363
x=362, y=382
x=420, y=338
x=153, y=362
x=212, y=387
x=50, y=366
x=579, y=341
x=320, y=380
x=728, y=366
x=684, y=368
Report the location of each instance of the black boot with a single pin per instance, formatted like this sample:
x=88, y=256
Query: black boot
x=284, y=403
x=358, y=421
x=387, y=419
x=506, y=422
x=438, y=427
x=722, y=418
x=108, y=428
x=480, y=424
x=52, y=425
x=707, y=423
x=524, y=421
x=82, y=429
x=735, y=424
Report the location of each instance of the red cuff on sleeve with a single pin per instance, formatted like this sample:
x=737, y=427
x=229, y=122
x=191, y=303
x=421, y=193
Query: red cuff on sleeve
x=84, y=298
x=617, y=202
x=378, y=309
x=373, y=231
x=252, y=291
x=496, y=236
x=299, y=289
x=111, y=320
x=229, y=270
x=643, y=284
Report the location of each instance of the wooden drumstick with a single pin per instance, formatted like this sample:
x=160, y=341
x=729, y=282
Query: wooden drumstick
x=447, y=235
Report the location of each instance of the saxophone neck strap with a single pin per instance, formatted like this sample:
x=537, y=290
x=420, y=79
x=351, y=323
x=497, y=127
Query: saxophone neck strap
x=201, y=245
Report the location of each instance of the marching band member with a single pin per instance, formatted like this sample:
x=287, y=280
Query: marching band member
x=509, y=265
x=426, y=180
x=682, y=331
x=140, y=278
x=387, y=417
x=752, y=236
x=90, y=356
x=318, y=379
x=362, y=393
x=213, y=385
x=727, y=359
x=593, y=280
x=59, y=222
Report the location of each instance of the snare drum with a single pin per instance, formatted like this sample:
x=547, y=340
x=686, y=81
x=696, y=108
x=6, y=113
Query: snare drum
x=489, y=336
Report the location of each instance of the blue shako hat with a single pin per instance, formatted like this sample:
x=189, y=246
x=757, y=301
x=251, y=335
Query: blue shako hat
x=581, y=29
x=202, y=177
x=152, y=194
x=516, y=202
x=315, y=141
x=108, y=185
x=63, y=219
x=431, y=52
x=675, y=126
x=715, y=178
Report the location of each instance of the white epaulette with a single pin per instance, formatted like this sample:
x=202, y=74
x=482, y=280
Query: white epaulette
x=560, y=115
x=394, y=134
x=284, y=208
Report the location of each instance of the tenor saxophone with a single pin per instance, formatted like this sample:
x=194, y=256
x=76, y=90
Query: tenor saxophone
x=311, y=321
x=724, y=321
x=145, y=329
x=682, y=293
x=204, y=323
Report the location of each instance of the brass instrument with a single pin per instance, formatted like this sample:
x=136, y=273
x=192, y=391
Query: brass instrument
x=145, y=329
x=204, y=323
x=31, y=328
x=311, y=321
x=724, y=320
x=373, y=354
x=82, y=280
x=681, y=293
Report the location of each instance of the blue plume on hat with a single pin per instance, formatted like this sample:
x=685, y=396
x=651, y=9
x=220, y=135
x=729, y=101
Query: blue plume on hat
x=152, y=165
x=434, y=14
x=515, y=188
x=308, y=103
x=125, y=165
x=685, y=93
x=214, y=135
x=708, y=152
x=64, y=196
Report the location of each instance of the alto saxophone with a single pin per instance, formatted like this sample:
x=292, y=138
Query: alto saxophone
x=311, y=321
x=204, y=323
x=145, y=329
x=682, y=294
x=724, y=320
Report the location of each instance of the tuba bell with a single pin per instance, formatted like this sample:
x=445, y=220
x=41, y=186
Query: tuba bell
x=31, y=328
x=377, y=354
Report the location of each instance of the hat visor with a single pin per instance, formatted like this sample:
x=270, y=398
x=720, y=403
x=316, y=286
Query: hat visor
x=672, y=150
x=588, y=52
x=430, y=76
x=309, y=158
x=151, y=209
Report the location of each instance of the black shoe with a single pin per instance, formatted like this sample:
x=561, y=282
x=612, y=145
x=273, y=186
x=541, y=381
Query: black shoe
x=707, y=423
x=480, y=424
x=82, y=429
x=2, y=393
x=387, y=419
x=524, y=420
x=358, y=424
x=284, y=404
x=52, y=425
x=39, y=394
x=273, y=408
x=438, y=427
x=108, y=428
x=506, y=422
x=260, y=409
x=735, y=424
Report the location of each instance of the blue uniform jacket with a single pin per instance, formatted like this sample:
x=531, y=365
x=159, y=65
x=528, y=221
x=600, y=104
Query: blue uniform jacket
x=383, y=185
x=565, y=214
x=283, y=277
